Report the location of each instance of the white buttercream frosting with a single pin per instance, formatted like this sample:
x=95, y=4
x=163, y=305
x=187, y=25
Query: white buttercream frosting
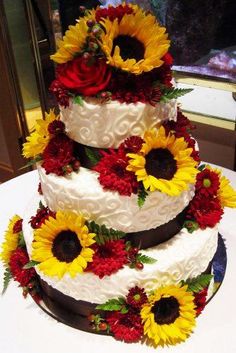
x=184, y=256
x=109, y=124
x=82, y=192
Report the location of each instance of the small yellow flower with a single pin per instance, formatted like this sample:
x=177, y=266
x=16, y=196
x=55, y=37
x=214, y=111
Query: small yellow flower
x=226, y=194
x=38, y=140
x=135, y=44
x=11, y=241
x=62, y=245
x=73, y=40
x=164, y=163
x=169, y=315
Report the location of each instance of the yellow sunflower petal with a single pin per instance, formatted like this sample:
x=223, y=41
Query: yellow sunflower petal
x=10, y=242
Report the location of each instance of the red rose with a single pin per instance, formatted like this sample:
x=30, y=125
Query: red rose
x=81, y=76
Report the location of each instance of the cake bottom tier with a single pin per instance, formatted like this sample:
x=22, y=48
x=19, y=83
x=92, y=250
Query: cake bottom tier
x=183, y=257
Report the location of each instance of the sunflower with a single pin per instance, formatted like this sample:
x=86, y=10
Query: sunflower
x=62, y=245
x=164, y=163
x=11, y=240
x=73, y=40
x=226, y=194
x=169, y=315
x=38, y=140
x=136, y=43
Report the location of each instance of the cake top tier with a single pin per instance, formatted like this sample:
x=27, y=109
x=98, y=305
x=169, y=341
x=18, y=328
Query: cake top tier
x=118, y=53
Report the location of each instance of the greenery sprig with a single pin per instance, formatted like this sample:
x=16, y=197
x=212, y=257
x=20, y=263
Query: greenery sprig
x=104, y=234
x=198, y=283
x=173, y=93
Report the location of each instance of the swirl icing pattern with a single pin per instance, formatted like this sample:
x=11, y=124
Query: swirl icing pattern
x=82, y=192
x=182, y=257
x=107, y=125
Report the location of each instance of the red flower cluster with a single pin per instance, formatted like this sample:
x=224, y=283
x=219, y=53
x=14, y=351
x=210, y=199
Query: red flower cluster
x=128, y=88
x=181, y=128
x=84, y=76
x=200, y=300
x=40, y=217
x=113, y=12
x=108, y=258
x=206, y=211
x=56, y=127
x=207, y=183
x=18, y=226
x=113, y=174
x=18, y=260
x=136, y=297
x=125, y=327
x=132, y=144
x=60, y=93
x=58, y=154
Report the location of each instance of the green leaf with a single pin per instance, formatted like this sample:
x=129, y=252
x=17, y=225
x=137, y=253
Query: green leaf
x=78, y=100
x=30, y=264
x=6, y=279
x=142, y=194
x=144, y=259
x=32, y=162
x=173, y=93
x=197, y=284
x=201, y=167
x=104, y=234
x=113, y=305
x=93, y=156
x=21, y=241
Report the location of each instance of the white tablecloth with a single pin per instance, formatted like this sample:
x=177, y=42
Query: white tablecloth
x=24, y=328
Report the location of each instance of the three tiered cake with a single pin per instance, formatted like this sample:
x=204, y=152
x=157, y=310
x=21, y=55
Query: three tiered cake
x=120, y=237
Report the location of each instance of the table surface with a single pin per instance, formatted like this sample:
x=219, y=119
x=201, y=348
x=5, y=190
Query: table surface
x=25, y=328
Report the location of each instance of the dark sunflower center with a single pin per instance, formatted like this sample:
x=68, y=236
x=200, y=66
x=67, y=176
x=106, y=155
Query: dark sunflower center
x=130, y=47
x=161, y=164
x=66, y=246
x=166, y=310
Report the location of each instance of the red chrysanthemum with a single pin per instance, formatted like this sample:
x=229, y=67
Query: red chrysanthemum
x=113, y=12
x=125, y=327
x=200, y=300
x=207, y=183
x=136, y=297
x=113, y=174
x=132, y=144
x=40, y=217
x=56, y=127
x=58, y=154
x=18, y=260
x=206, y=211
x=181, y=128
x=128, y=88
x=60, y=93
x=108, y=258
x=18, y=226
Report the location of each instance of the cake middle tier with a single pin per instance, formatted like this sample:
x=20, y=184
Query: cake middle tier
x=82, y=193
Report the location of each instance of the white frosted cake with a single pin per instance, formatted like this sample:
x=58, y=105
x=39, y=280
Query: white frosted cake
x=121, y=235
